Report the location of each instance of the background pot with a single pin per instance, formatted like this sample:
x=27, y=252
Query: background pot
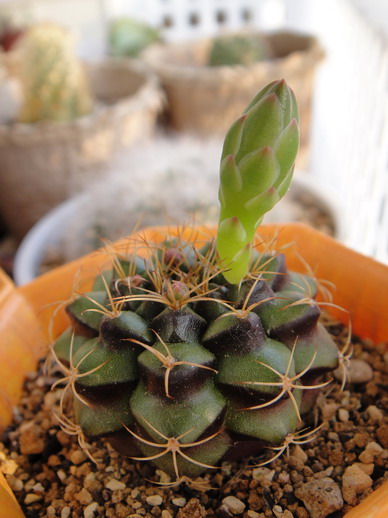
x=44, y=163
x=71, y=229
x=22, y=309
x=206, y=100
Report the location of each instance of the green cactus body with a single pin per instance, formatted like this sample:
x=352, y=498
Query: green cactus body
x=237, y=49
x=54, y=82
x=199, y=353
x=187, y=370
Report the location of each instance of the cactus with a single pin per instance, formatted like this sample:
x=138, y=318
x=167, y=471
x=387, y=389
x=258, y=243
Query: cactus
x=237, y=49
x=53, y=80
x=182, y=357
x=128, y=37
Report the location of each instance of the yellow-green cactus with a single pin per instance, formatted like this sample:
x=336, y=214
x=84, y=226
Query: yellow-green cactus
x=237, y=49
x=54, y=82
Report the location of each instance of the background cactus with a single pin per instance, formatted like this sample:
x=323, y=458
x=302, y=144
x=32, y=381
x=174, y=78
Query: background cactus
x=128, y=37
x=53, y=80
x=237, y=49
x=175, y=363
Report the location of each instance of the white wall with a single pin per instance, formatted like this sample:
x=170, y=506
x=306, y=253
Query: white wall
x=350, y=125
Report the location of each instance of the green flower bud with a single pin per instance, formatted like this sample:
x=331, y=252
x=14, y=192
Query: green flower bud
x=256, y=170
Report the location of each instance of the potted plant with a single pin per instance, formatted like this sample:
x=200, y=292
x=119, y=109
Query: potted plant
x=72, y=119
x=204, y=318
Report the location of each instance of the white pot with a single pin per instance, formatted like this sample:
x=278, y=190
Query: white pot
x=49, y=231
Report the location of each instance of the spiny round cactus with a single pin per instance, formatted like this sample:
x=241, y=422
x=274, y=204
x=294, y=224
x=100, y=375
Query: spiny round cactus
x=237, y=49
x=54, y=82
x=189, y=352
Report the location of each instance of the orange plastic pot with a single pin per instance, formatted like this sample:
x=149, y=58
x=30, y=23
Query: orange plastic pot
x=25, y=313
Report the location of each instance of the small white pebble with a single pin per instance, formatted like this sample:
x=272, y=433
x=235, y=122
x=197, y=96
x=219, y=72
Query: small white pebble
x=154, y=500
x=38, y=487
x=50, y=399
x=65, y=513
x=164, y=478
x=321, y=497
x=359, y=371
x=51, y=512
x=354, y=482
x=115, y=485
x=90, y=510
x=374, y=448
x=252, y=514
x=135, y=493
x=7, y=466
x=343, y=415
x=166, y=514
x=375, y=413
x=234, y=505
x=265, y=473
x=29, y=484
x=89, y=477
x=179, y=501
x=31, y=498
x=299, y=453
x=61, y=475
x=77, y=457
x=283, y=478
x=16, y=484
x=371, y=451
x=277, y=511
x=328, y=410
x=366, y=468
x=325, y=473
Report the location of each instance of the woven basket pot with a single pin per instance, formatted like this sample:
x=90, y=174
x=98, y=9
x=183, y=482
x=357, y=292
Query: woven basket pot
x=206, y=100
x=45, y=163
x=362, y=288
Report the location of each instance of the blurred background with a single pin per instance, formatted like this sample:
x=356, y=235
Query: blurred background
x=112, y=114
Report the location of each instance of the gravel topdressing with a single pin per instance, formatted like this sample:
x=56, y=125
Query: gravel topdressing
x=344, y=462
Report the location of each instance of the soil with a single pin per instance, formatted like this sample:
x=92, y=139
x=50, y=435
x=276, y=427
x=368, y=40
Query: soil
x=339, y=466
